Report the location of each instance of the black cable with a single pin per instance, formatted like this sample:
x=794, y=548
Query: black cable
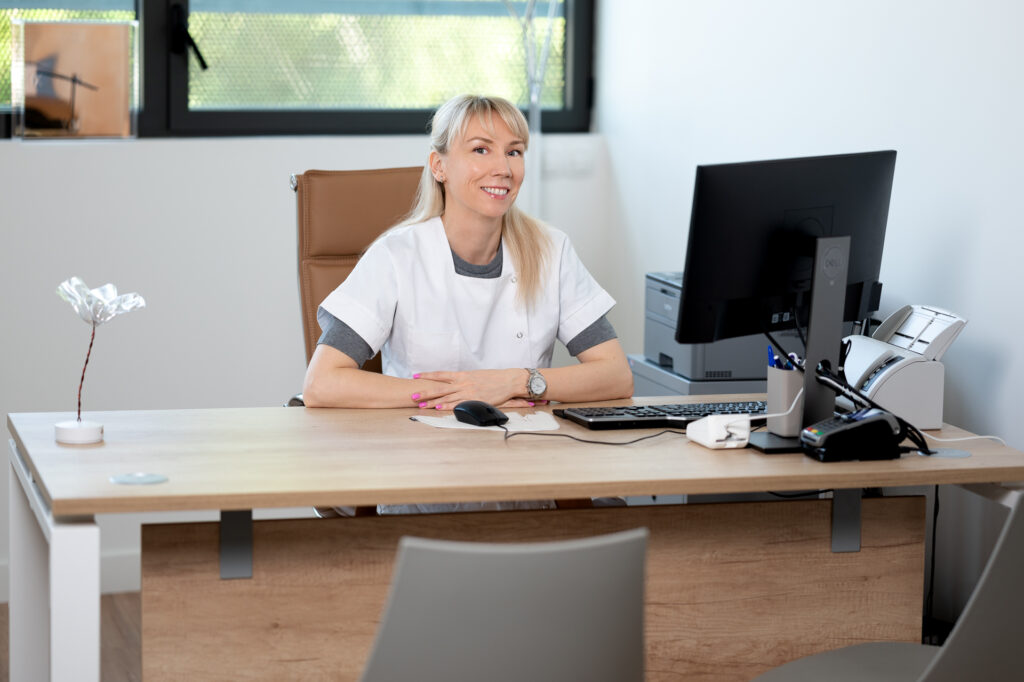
x=799, y=331
x=782, y=351
x=840, y=385
x=510, y=434
x=928, y=609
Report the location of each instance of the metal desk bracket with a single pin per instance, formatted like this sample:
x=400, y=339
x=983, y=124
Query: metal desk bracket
x=846, y=520
x=235, y=544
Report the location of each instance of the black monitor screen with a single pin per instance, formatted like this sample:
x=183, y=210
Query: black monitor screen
x=752, y=237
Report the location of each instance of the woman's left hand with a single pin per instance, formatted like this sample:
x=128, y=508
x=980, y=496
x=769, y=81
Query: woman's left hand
x=499, y=387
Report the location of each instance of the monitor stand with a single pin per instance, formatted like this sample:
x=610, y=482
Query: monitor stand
x=824, y=335
x=770, y=444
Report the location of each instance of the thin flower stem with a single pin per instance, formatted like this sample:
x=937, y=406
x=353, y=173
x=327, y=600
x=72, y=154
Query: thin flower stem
x=80, y=383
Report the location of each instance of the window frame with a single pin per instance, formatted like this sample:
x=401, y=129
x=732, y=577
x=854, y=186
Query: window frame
x=165, y=92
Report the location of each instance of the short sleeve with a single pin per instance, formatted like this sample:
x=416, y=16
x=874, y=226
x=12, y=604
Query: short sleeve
x=367, y=299
x=582, y=301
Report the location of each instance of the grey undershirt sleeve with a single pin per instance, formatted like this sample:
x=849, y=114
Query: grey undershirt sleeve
x=339, y=335
x=599, y=332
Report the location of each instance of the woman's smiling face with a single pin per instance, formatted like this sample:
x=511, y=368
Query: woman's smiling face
x=482, y=171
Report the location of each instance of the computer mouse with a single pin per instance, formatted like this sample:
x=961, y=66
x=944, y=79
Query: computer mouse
x=479, y=413
x=720, y=431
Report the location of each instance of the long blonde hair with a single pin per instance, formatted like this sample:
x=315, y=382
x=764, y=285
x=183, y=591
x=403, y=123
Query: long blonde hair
x=525, y=236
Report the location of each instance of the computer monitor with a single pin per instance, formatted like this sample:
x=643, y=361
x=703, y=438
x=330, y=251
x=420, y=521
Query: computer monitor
x=770, y=241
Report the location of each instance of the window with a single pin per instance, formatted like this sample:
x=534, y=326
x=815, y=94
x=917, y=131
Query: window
x=351, y=66
x=330, y=66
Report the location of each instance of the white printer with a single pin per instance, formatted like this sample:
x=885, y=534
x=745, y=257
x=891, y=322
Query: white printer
x=899, y=366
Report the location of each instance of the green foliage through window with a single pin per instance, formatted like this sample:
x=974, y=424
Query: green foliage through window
x=362, y=61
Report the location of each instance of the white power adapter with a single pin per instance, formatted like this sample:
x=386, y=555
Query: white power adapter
x=720, y=431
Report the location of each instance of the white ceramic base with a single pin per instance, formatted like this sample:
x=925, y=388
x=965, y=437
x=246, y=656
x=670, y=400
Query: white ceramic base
x=78, y=433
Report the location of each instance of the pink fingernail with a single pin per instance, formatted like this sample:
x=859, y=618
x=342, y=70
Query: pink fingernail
x=415, y=396
x=530, y=404
x=543, y=402
x=415, y=376
x=423, y=404
x=438, y=407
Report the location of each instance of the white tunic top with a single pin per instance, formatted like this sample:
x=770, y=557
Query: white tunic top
x=405, y=299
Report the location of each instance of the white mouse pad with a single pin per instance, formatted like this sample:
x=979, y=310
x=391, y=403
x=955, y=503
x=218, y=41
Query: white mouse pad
x=532, y=421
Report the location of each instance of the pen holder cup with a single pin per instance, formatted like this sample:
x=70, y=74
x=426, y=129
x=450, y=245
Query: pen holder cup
x=783, y=386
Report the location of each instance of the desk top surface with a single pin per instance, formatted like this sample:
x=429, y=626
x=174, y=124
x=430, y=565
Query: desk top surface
x=245, y=458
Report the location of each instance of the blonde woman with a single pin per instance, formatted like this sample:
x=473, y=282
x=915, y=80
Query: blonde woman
x=466, y=297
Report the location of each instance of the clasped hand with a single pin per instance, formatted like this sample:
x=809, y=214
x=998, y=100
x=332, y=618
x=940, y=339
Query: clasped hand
x=499, y=387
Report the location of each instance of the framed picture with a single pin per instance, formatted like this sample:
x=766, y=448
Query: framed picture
x=74, y=79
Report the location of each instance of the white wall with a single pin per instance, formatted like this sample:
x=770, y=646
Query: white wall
x=686, y=83
x=205, y=230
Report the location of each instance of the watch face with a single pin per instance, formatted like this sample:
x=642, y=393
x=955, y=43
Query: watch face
x=538, y=385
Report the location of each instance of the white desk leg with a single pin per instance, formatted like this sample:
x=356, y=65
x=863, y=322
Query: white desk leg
x=29, y=617
x=54, y=589
x=75, y=602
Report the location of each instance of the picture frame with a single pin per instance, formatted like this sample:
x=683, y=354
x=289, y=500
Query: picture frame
x=74, y=79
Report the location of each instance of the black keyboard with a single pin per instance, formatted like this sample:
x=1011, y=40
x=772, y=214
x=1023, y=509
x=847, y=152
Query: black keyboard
x=655, y=416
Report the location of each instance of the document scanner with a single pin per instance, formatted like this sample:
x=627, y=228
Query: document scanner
x=899, y=366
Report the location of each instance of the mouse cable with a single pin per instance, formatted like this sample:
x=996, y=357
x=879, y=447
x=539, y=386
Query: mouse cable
x=510, y=434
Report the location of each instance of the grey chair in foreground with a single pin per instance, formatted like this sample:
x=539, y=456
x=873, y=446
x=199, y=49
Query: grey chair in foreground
x=986, y=644
x=466, y=611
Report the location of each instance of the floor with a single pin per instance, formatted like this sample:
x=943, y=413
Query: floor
x=121, y=625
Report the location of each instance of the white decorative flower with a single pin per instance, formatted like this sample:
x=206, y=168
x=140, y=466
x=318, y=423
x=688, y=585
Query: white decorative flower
x=99, y=305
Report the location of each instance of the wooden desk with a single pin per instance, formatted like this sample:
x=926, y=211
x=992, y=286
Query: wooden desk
x=276, y=457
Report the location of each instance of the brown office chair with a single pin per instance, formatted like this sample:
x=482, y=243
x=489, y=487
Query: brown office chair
x=340, y=213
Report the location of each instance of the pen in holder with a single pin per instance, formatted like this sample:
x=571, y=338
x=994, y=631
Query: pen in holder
x=783, y=386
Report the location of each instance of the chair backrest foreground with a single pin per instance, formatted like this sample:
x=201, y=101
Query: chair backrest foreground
x=340, y=213
x=987, y=642
x=461, y=611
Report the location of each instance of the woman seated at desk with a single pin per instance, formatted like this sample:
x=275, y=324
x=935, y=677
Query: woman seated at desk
x=466, y=296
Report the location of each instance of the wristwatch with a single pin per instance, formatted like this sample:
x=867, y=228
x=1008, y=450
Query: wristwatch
x=536, y=385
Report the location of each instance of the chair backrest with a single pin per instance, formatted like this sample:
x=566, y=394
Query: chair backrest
x=987, y=642
x=568, y=610
x=340, y=213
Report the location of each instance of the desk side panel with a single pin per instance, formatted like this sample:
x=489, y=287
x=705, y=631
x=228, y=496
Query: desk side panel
x=732, y=589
